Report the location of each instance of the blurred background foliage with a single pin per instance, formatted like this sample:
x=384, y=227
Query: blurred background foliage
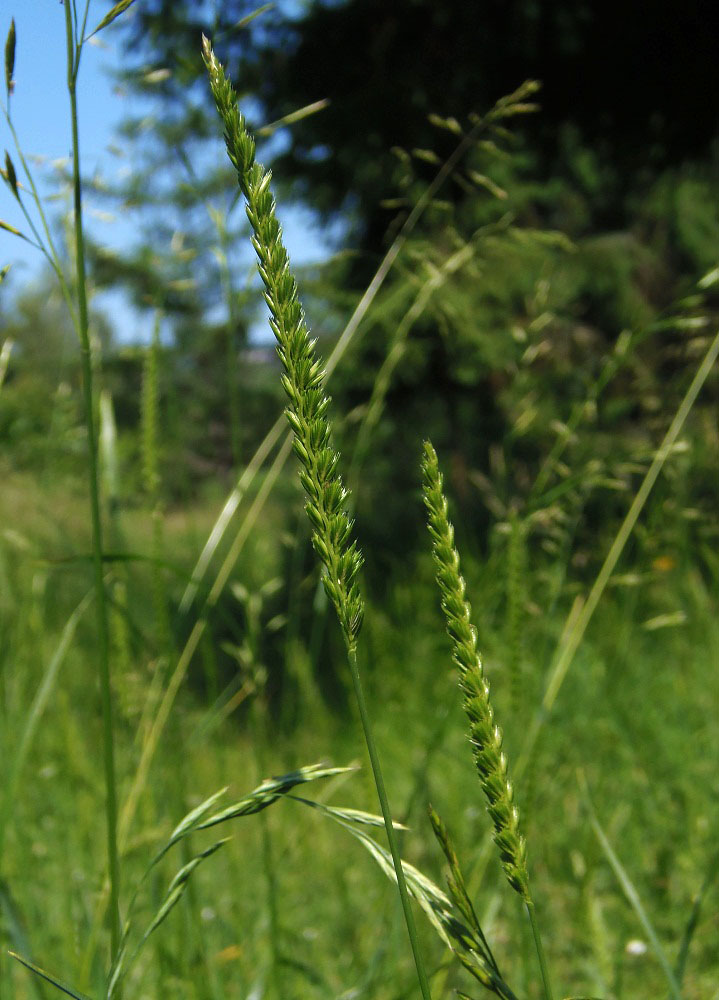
x=554, y=234
x=540, y=279
x=546, y=312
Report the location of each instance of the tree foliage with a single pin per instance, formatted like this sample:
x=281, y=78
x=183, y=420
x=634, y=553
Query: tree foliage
x=635, y=87
x=574, y=225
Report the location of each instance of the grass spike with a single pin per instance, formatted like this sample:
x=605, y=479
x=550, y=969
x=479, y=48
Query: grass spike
x=303, y=381
x=303, y=373
x=485, y=735
x=10, y=58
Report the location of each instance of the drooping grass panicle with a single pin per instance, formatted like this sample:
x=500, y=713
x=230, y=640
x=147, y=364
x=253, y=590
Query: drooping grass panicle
x=303, y=376
x=485, y=735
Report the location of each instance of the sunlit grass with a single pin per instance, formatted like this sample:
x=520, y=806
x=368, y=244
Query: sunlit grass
x=608, y=704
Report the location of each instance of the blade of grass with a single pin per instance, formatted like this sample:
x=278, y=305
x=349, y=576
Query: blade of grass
x=5, y=353
x=630, y=891
x=691, y=924
x=15, y=930
x=53, y=980
x=39, y=703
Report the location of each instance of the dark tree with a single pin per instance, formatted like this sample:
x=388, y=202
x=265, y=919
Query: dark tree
x=636, y=84
x=622, y=157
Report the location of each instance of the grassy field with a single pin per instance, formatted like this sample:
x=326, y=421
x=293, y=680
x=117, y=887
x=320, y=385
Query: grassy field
x=293, y=900
x=135, y=685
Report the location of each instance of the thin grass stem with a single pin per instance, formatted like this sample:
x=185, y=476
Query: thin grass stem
x=630, y=891
x=97, y=542
x=387, y=817
x=541, y=957
x=693, y=920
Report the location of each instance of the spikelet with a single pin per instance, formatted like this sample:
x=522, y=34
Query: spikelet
x=485, y=735
x=303, y=377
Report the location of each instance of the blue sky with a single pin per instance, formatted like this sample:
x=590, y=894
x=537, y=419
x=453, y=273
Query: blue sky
x=40, y=113
x=40, y=109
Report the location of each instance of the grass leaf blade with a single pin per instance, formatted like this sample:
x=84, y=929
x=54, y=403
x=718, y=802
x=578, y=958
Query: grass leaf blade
x=630, y=891
x=249, y=18
x=39, y=704
x=57, y=983
x=10, y=58
x=691, y=924
x=118, y=9
x=10, y=175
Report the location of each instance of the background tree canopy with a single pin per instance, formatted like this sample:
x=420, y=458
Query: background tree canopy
x=554, y=235
x=635, y=90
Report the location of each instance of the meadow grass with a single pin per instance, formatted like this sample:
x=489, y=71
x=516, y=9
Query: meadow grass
x=324, y=925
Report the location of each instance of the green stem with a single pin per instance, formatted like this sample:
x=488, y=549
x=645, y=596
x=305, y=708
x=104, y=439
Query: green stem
x=272, y=907
x=100, y=603
x=387, y=816
x=543, y=968
x=259, y=741
x=48, y=251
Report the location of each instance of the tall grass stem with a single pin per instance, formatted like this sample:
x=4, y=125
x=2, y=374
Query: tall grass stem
x=303, y=381
x=541, y=957
x=108, y=744
x=150, y=427
x=389, y=826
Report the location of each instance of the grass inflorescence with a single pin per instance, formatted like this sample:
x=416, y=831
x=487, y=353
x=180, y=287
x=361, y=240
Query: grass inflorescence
x=303, y=377
x=485, y=734
x=303, y=380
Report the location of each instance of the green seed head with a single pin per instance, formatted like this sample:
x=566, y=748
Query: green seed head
x=485, y=736
x=303, y=377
